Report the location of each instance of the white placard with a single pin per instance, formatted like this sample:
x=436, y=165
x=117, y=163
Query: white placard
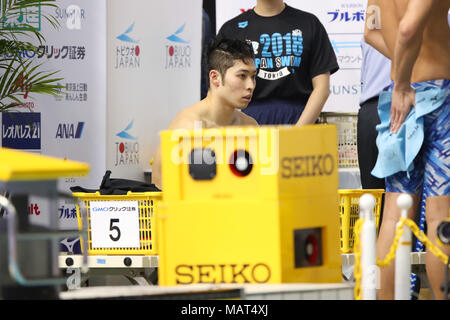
x=114, y=224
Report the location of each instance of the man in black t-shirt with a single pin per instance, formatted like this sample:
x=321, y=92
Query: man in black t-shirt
x=294, y=59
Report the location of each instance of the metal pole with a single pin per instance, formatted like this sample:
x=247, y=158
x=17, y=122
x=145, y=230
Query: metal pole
x=368, y=244
x=403, y=253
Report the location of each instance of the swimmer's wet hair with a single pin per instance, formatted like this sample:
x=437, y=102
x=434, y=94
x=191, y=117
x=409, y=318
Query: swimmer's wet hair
x=222, y=53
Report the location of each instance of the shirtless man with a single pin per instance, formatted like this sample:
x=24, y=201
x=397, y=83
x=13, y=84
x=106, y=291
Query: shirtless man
x=232, y=75
x=415, y=35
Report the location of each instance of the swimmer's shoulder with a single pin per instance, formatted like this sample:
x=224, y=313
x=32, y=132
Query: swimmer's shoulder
x=245, y=120
x=187, y=118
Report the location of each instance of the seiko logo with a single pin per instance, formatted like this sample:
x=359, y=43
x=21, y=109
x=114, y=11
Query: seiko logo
x=222, y=273
x=307, y=166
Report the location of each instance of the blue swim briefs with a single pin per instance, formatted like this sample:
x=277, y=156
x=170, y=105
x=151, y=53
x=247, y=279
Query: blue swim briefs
x=431, y=173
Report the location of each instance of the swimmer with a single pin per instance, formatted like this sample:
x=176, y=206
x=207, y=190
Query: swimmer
x=415, y=35
x=232, y=75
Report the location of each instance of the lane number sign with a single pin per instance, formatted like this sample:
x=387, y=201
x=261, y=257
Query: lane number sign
x=114, y=224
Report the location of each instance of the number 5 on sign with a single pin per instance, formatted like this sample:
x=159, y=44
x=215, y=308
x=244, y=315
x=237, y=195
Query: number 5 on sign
x=114, y=224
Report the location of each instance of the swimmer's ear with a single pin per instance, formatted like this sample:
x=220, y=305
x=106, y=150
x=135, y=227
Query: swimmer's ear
x=214, y=78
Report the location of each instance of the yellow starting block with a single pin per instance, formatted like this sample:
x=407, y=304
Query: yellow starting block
x=25, y=166
x=25, y=259
x=249, y=205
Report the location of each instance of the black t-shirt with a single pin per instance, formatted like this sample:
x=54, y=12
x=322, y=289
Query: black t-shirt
x=290, y=48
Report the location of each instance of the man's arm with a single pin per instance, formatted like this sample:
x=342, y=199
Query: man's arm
x=156, y=168
x=372, y=28
x=407, y=48
x=317, y=99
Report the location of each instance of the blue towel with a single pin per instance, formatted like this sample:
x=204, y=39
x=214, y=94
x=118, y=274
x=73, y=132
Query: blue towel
x=396, y=152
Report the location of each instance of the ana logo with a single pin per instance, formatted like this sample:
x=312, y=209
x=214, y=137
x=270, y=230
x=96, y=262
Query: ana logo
x=128, y=52
x=178, y=52
x=21, y=130
x=243, y=24
x=69, y=130
x=127, y=152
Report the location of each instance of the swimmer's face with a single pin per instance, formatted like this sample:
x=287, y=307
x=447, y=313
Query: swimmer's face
x=238, y=84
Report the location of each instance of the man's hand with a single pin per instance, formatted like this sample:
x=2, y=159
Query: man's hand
x=407, y=49
x=402, y=100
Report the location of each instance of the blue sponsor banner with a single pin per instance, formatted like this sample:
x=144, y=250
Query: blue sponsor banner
x=21, y=130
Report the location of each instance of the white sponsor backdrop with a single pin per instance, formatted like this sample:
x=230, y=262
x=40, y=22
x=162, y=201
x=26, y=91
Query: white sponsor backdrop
x=344, y=22
x=74, y=125
x=145, y=94
x=129, y=67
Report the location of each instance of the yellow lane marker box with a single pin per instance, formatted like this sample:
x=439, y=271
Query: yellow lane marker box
x=249, y=205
